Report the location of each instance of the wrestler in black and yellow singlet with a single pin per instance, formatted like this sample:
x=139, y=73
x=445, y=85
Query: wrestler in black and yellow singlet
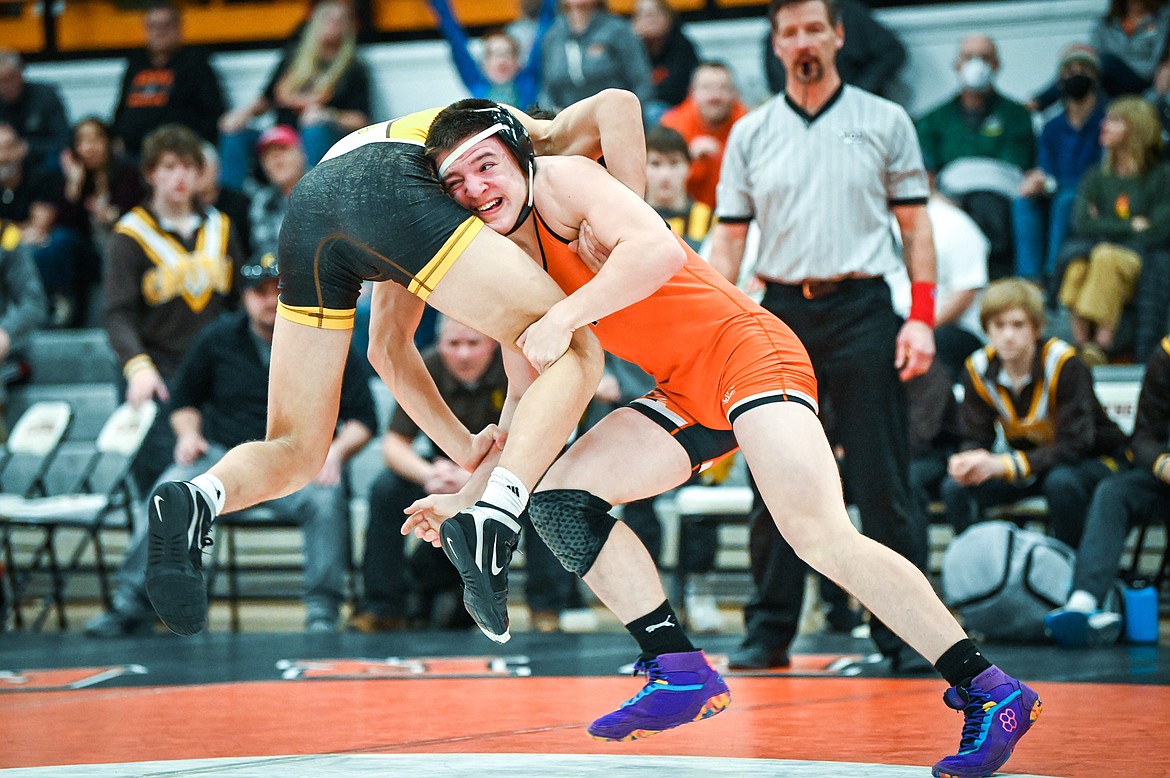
x=372, y=209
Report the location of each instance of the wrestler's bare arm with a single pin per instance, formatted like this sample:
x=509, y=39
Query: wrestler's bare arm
x=394, y=317
x=428, y=513
x=607, y=124
x=643, y=253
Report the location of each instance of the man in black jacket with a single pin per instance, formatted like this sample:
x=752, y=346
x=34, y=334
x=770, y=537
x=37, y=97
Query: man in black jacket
x=167, y=83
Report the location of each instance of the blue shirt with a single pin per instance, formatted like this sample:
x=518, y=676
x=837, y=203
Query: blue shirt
x=524, y=90
x=1065, y=152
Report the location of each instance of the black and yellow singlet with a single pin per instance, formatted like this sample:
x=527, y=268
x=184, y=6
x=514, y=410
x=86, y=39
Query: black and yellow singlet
x=372, y=209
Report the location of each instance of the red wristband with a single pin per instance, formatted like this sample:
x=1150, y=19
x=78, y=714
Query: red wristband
x=922, y=302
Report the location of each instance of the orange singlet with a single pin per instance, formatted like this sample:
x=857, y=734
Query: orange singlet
x=713, y=352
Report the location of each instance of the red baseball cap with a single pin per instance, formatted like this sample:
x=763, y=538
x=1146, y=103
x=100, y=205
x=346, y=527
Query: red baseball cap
x=278, y=134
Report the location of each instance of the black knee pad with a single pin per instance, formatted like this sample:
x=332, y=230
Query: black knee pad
x=574, y=524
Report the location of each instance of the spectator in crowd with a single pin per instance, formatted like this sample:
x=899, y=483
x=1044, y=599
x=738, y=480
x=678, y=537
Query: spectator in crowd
x=1120, y=502
x=22, y=304
x=1069, y=145
x=167, y=83
x=870, y=59
x=221, y=399
x=1061, y=443
x=934, y=437
x=978, y=121
x=1131, y=40
x=34, y=109
x=469, y=373
x=704, y=119
x=672, y=56
x=523, y=30
x=824, y=248
x=1121, y=223
x=667, y=164
x=29, y=195
x=100, y=186
x=499, y=76
x=233, y=203
x=170, y=270
x=321, y=86
x=587, y=50
x=979, y=143
x=282, y=160
x=1159, y=96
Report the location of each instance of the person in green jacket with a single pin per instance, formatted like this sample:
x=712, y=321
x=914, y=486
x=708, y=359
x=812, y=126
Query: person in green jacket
x=1121, y=215
x=978, y=121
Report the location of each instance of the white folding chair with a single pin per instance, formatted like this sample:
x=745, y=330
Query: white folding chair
x=83, y=488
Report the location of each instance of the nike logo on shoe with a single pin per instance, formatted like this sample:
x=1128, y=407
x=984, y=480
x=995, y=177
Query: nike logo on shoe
x=158, y=506
x=496, y=569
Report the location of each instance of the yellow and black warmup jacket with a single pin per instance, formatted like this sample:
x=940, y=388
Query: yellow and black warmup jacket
x=1151, y=429
x=1054, y=419
x=162, y=288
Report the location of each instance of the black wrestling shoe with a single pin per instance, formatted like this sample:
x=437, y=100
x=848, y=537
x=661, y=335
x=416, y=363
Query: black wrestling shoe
x=479, y=542
x=179, y=518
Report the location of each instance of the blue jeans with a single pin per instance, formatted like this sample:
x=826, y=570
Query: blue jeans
x=320, y=510
x=237, y=151
x=1040, y=225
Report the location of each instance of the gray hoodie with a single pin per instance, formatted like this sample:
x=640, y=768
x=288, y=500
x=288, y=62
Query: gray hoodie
x=607, y=54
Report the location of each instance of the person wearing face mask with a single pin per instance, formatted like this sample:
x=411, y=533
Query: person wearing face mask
x=990, y=137
x=978, y=121
x=1068, y=146
x=1131, y=41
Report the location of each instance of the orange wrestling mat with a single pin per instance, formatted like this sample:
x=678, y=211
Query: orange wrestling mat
x=842, y=726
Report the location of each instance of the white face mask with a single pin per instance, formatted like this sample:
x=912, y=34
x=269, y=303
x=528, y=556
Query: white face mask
x=975, y=74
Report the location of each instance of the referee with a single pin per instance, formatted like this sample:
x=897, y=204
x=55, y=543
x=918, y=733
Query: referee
x=821, y=167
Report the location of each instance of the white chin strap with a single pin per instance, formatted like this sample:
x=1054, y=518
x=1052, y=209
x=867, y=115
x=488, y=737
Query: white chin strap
x=463, y=147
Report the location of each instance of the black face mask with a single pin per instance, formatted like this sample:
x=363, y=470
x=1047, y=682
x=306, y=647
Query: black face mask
x=1076, y=87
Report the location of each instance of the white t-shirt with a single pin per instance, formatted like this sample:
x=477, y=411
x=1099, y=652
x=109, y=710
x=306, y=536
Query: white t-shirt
x=961, y=250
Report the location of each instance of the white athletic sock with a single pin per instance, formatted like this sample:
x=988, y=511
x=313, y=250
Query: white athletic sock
x=1081, y=601
x=213, y=489
x=505, y=491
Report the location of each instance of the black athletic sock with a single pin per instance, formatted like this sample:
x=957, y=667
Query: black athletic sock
x=961, y=662
x=658, y=632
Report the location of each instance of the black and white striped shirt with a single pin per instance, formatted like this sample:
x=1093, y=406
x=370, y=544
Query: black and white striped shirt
x=821, y=187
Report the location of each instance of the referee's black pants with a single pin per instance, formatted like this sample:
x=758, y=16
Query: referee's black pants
x=850, y=336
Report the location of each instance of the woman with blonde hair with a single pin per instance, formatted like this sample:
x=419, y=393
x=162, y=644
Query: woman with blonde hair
x=1121, y=214
x=320, y=87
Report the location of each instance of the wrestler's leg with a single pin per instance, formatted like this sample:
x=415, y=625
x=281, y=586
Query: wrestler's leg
x=304, y=391
x=785, y=448
x=498, y=290
x=624, y=457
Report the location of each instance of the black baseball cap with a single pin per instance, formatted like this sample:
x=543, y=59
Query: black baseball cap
x=259, y=270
